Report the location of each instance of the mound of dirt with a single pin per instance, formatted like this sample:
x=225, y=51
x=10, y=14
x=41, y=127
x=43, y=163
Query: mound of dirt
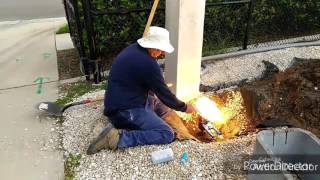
x=291, y=97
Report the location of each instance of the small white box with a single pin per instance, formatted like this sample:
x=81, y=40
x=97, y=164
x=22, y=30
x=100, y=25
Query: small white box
x=162, y=156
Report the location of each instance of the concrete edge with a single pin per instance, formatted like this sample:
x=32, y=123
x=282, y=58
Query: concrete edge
x=77, y=79
x=63, y=42
x=34, y=20
x=258, y=50
x=72, y=80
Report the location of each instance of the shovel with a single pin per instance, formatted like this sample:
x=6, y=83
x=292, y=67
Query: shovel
x=150, y=19
x=57, y=110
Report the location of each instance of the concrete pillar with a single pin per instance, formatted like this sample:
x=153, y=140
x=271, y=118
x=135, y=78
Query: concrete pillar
x=185, y=21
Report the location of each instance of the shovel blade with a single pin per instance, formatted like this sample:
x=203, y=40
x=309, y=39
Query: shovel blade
x=51, y=108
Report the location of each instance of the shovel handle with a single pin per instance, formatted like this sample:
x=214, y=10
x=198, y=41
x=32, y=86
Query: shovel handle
x=153, y=10
x=87, y=101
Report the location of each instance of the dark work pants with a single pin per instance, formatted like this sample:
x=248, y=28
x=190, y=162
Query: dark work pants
x=143, y=126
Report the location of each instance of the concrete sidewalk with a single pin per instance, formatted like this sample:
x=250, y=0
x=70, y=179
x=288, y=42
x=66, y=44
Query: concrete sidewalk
x=31, y=9
x=27, y=52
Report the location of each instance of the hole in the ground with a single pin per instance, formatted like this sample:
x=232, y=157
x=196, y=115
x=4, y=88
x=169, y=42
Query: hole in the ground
x=289, y=98
x=235, y=121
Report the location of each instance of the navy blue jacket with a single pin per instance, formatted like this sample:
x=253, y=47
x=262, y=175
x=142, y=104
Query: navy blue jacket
x=133, y=74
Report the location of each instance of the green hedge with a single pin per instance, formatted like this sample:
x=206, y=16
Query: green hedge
x=116, y=31
x=280, y=19
x=224, y=26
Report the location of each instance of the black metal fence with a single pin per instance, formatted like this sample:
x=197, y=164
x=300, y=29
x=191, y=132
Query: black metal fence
x=100, y=29
x=226, y=26
x=79, y=34
x=277, y=22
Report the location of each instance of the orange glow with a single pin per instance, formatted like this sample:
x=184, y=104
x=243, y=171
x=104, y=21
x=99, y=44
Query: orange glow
x=209, y=110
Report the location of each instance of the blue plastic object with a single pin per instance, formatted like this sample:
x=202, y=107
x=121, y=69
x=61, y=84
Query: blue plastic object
x=185, y=157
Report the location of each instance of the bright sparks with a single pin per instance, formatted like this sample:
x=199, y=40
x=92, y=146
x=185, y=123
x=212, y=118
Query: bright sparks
x=208, y=110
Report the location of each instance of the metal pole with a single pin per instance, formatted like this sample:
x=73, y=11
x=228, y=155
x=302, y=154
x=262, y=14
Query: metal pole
x=89, y=28
x=80, y=43
x=67, y=16
x=91, y=42
x=249, y=15
x=72, y=15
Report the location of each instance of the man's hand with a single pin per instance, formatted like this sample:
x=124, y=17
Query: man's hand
x=190, y=109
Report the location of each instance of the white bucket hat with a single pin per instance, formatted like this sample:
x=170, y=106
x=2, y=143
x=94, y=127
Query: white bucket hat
x=157, y=38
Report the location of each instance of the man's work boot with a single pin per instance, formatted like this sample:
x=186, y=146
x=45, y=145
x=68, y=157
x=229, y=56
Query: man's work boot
x=107, y=139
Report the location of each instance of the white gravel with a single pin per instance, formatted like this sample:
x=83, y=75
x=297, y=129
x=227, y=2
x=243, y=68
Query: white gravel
x=83, y=123
x=207, y=161
x=211, y=161
x=250, y=66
